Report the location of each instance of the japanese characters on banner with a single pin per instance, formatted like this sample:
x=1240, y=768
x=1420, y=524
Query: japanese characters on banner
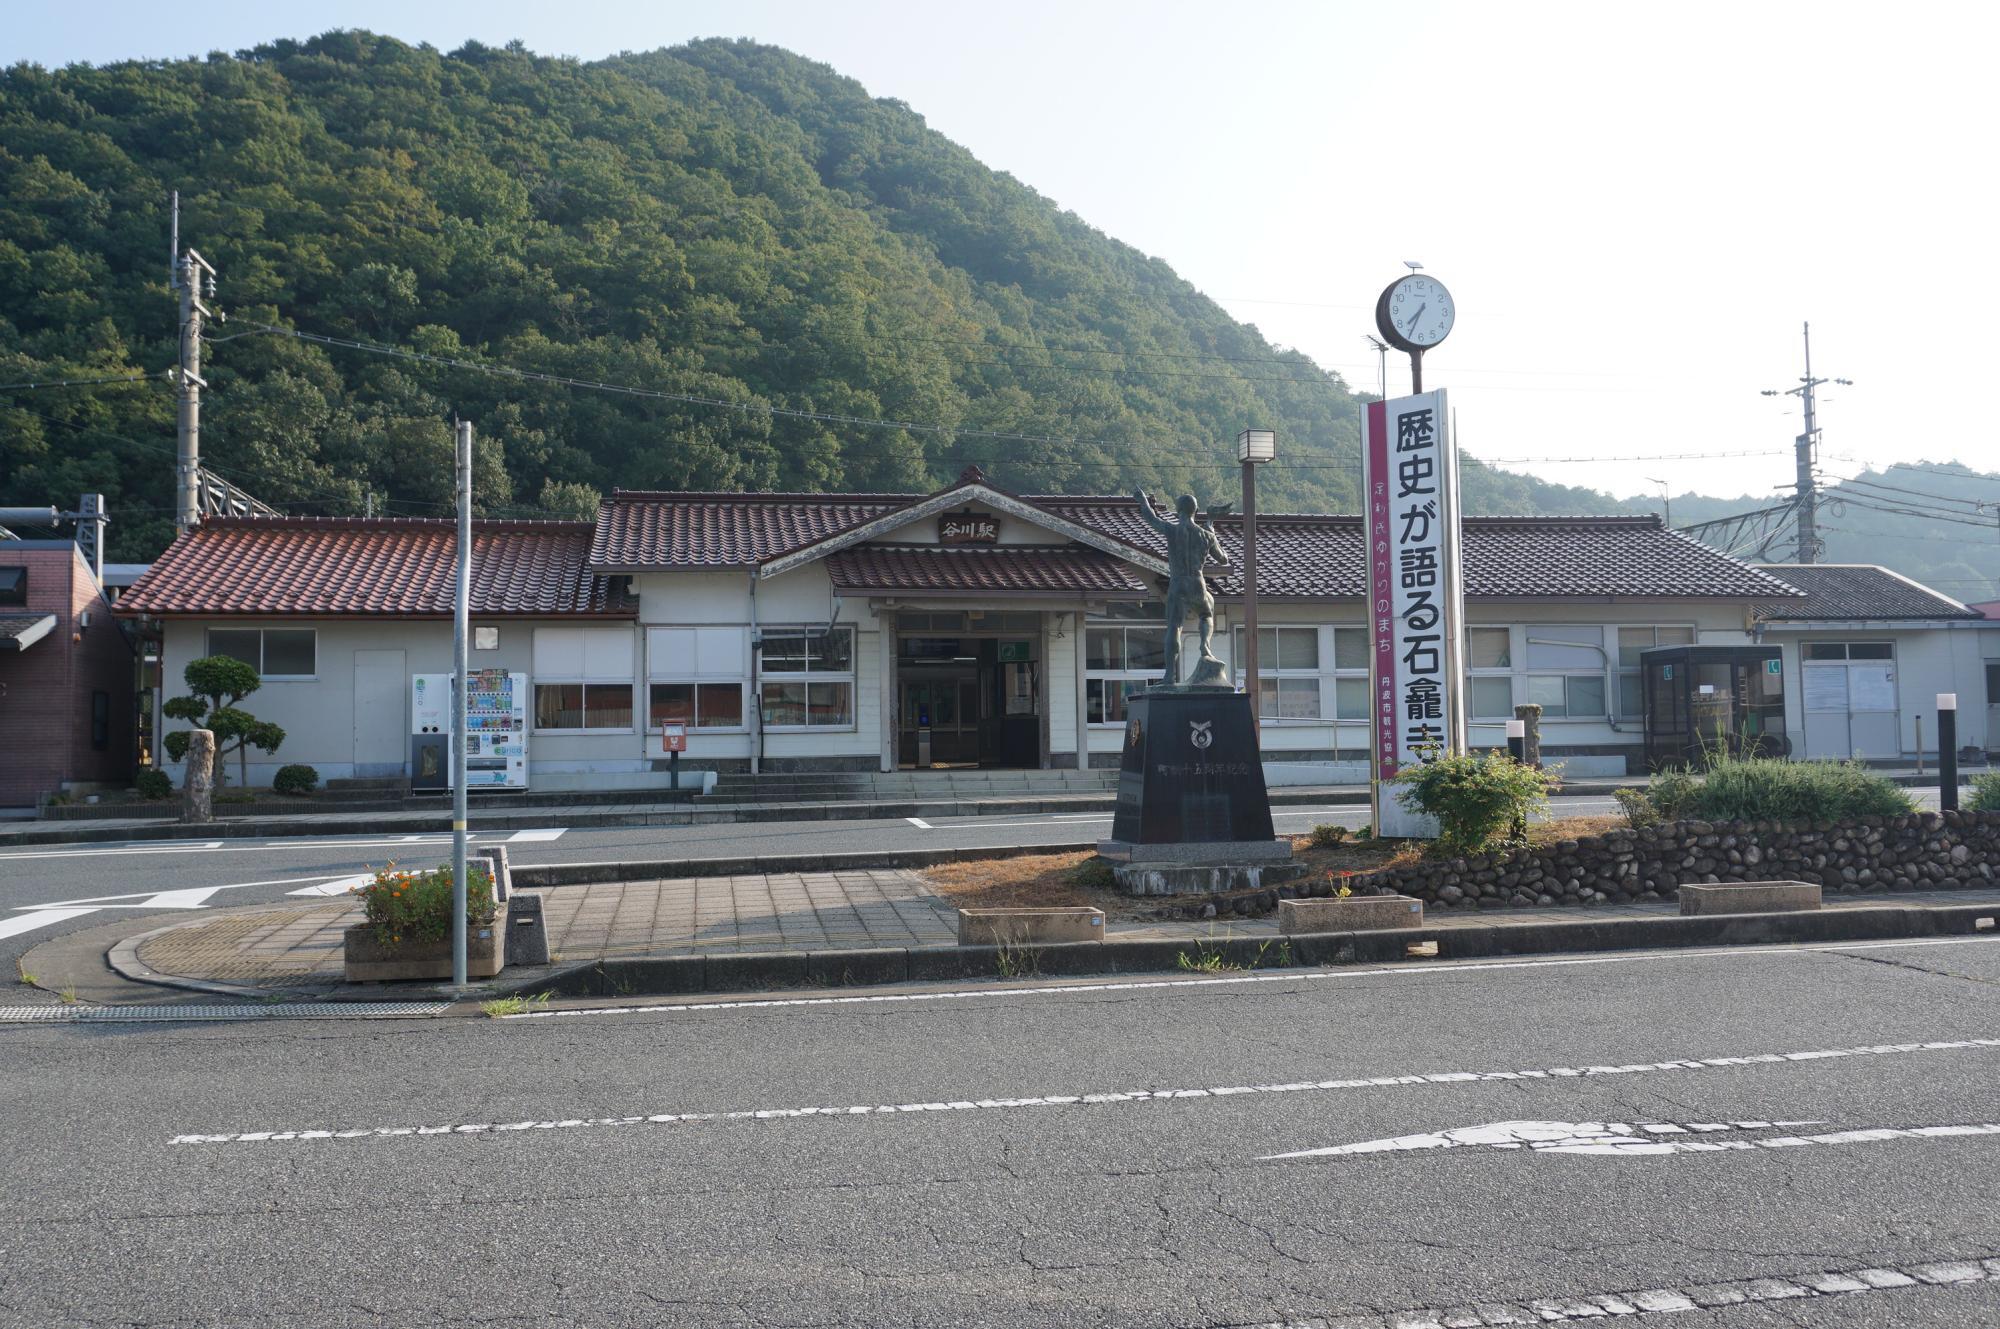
x=1416, y=602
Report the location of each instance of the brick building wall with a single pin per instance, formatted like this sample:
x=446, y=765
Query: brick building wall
x=54, y=729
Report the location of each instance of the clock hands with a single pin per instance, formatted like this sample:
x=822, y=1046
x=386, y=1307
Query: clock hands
x=1414, y=317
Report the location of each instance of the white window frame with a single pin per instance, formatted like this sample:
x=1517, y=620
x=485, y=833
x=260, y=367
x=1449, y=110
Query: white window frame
x=1604, y=671
x=766, y=676
x=587, y=679
x=1271, y=669
x=1121, y=675
x=214, y=628
x=658, y=674
x=1476, y=673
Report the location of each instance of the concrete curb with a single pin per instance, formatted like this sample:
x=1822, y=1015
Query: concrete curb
x=681, y=975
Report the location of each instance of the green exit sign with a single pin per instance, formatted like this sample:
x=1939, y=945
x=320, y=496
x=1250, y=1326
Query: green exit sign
x=1014, y=652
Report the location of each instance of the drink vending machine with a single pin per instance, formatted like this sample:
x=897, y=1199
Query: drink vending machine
x=496, y=731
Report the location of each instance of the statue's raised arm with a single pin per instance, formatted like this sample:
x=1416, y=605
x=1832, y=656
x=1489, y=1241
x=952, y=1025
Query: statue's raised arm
x=1152, y=518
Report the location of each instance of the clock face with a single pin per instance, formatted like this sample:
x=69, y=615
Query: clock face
x=1416, y=313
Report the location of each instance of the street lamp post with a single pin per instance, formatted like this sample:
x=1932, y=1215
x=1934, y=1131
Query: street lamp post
x=1947, y=709
x=1254, y=447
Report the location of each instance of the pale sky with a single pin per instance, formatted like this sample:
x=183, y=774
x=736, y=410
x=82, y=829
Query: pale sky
x=1635, y=205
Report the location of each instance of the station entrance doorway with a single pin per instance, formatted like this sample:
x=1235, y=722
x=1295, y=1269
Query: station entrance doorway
x=969, y=690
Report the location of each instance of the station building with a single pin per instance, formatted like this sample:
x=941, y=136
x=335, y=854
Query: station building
x=881, y=632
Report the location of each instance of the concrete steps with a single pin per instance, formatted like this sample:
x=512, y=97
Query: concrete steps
x=904, y=786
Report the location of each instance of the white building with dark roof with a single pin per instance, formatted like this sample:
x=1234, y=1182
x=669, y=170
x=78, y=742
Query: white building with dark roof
x=878, y=632
x=1866, y=653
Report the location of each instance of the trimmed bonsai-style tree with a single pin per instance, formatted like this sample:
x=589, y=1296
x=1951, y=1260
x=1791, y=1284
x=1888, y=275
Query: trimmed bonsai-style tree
x=215, y=684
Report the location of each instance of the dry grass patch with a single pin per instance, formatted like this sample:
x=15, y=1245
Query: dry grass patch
x=1042, y=881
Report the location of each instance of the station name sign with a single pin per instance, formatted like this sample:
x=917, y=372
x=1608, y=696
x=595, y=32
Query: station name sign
x=968, y=528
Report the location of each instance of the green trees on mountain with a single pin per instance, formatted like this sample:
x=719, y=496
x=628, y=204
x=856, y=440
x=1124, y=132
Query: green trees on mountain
x=723, y=221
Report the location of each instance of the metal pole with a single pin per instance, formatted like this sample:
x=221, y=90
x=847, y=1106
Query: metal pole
x=1416, y=373
x=1808, y=494
x=1250, y=598
x=1947, y=708
x=187, y=467
x=461, y=610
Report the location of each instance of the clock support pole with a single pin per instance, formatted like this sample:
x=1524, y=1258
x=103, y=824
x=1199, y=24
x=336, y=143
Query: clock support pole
x=1416, y=373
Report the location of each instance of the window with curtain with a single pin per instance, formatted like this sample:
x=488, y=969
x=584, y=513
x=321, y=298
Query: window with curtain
x=583, y=679
x=806, y=678
x=697, y=677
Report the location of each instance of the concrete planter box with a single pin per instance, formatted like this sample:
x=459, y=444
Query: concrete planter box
x=1750, y=897
x=370, y=961
x=1025, y=927
x=1357, y=913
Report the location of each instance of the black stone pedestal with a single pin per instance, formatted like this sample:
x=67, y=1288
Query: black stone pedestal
x=1191, y=791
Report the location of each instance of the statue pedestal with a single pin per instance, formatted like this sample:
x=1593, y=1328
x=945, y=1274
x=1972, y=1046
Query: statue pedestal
x=1193, y=815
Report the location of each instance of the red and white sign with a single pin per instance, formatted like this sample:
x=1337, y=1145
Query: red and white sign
x=673, y=738
x=1416, y=604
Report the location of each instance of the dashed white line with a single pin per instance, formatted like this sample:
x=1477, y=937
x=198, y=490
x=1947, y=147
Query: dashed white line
x=1846, y=1281
x=1106, y=1098
x=920, y=823
x=1628, y=1140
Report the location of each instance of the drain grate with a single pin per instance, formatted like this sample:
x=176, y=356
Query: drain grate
x=277, y=1010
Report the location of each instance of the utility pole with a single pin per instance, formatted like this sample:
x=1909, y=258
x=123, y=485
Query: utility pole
x=1666, y=503
x=1806, y=447
x=461, y=610
x=190, y=273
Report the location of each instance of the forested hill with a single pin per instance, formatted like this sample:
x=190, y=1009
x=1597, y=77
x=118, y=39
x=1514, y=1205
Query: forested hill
x=722, y=221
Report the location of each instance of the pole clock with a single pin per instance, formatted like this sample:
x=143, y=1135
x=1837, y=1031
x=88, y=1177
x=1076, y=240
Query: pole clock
x=1414, y=314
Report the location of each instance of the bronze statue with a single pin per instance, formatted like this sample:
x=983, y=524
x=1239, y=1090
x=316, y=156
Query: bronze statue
x=1190, y=546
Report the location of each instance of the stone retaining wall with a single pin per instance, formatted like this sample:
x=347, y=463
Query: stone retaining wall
x=1924, y=851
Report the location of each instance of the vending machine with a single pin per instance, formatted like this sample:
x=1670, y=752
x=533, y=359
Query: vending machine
x=496, y=731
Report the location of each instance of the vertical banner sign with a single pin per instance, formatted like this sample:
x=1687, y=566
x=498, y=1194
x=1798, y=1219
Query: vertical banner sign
x=1416, y=604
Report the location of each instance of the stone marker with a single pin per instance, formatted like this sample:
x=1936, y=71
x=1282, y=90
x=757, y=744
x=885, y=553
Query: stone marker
x=1750, y=897
x=1357, y=913
x=527, y=938
x=198, y=789
x=1024, y=927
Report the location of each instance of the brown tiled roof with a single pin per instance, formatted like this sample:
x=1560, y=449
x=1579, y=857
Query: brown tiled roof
x=1308, y=556
x=1857, y=590
x=985, y=569
x=1503, y=557
x=339, y=566
x=639, y=530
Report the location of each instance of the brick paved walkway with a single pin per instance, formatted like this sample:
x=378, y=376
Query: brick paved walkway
x=299, y=947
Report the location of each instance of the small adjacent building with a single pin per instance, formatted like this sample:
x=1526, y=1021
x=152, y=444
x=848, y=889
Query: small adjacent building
x=876, y=632
x=1867, y=651
x=66, y=676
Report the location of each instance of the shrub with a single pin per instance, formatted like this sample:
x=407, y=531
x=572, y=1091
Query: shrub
x=1094, y=874
x=1476, y=800
x=416, y=906
x=1327, y=835
x=154, y=784
x=1737, y=788
x=1638, y=809
x=1985, y=793
x=215, y=684
x=297, y=778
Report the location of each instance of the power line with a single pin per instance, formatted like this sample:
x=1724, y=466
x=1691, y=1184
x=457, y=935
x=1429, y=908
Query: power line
x=1658, y=456
x=78, y=382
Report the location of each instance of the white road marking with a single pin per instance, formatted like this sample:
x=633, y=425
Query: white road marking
x=269, y=846
x=29, y=917
x=1792, y=1286
x=920, y=823
x=39, y=918
x=1116, y=1097
x=338, y=886
x=1554, y=1137
x=530, y=837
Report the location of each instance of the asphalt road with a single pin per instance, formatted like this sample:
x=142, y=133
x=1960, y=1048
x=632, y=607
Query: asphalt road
x=961, y=1173
x=48, y=890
